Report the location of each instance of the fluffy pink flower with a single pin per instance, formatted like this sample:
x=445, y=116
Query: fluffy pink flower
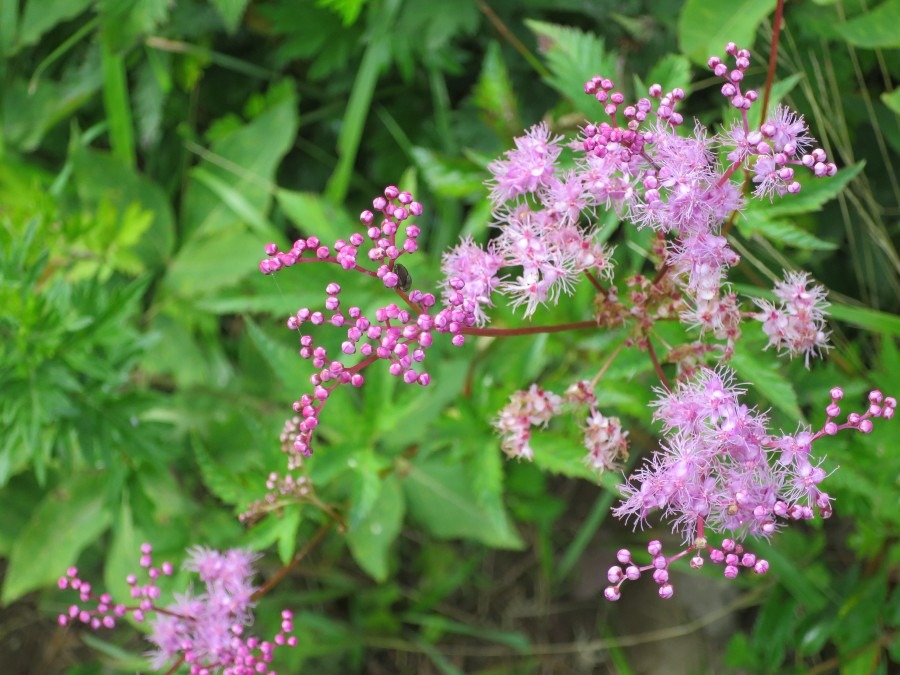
x=797, y=324
x=526, y=409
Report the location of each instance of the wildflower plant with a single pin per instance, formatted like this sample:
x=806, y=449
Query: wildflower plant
x=206, y=631
x=720, y=468
x=722, y=473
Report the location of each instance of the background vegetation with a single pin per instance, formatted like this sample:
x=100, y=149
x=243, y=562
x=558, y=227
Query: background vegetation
x=149, y=149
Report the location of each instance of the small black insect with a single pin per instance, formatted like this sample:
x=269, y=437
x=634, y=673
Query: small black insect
x=404, y=279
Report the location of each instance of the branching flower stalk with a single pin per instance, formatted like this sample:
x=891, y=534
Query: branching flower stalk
x=719, y=469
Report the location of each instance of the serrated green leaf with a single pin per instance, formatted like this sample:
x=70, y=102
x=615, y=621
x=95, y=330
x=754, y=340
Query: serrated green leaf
x=765, y=378
x=755, y=221
x=815, y=192
x=284, y=361
x=288, y=525
x=485, y=467
x=449, y=177
x=68, y=519
x=573, y=57
x=440, y=497
x=561, y=454
x=231, y=11
x=705, y=27
x=240, y=206
x=876, y=28
x=221, y=482
x=372, y=538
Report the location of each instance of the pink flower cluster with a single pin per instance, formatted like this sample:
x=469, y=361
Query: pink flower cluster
x=604, y=438
x=206, y=631
x=721, y=470
x=396, y=334
x=797, y=324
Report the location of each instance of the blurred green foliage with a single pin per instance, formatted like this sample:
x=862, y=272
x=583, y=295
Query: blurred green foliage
x=149, y=149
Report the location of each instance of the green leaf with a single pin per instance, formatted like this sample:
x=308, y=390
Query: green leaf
x=441, y=498
x=239, y=205
x=672, y=71
x=245, y=161
x=705, y=27
x=573, y=57
x=287, y=366
x=348, y=10
x=221, y=482
x=366, y=484
x=876, y=28
x=313, y=214
x=495, y=96
x=68, y=519
x=287, y=528
x=561, y=454
x=117, y=106
x=372, y=538
x=105, y=181
x=815, y=192
x=206, y=264
x=767, y=378
x=374, y=59
x=755, y=221
x=449, y=177
x=892, y=100
x=231, y=11
x=123, y=553
x=42, y=15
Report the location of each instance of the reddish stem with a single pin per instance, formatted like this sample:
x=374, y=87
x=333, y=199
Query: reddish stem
x=528, y=330
x=773, y=58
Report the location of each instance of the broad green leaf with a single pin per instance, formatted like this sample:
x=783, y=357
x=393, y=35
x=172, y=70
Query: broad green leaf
x=207, y=264
x=755, y=221
x=449, y=177
x=705, y=27
x=366, y=485
x=240, y=206
x=495, y=96
x=573, y=57
x=671, y=71
x=69, y=518
x=232, y=11
x=40, y=16
x=815, y=192
x=288, y=525
x=372, y=538
x=441, y=498
x=876, y=28
x=313, y=214
x=767, y=379
x=485, y=467
x=245, y=161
